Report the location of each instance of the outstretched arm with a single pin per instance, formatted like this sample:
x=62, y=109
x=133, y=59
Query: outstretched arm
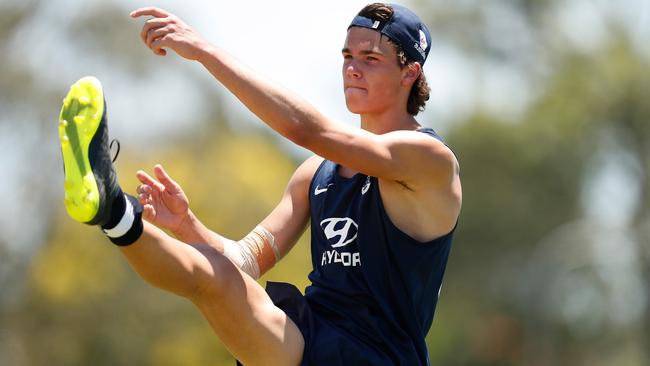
x=397, y=156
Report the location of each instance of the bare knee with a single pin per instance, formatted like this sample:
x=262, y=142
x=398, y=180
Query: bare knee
x=216, y=279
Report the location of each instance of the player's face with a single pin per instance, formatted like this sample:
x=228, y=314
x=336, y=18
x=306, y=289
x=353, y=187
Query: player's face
x=372, y=79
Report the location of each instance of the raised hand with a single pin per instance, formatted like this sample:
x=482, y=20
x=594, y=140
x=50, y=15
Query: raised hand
x=164, y=202
x=165, y=30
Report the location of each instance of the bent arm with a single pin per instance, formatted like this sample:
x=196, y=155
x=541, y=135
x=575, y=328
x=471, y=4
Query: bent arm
x=184, y=267
x=285, y=223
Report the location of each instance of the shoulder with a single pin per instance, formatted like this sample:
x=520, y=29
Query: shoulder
x=301, y=178
x=425, y=204
x=309, y=166
x=421, y=140
x=429, y=159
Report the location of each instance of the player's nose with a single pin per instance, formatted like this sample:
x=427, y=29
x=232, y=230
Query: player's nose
x=352, y=70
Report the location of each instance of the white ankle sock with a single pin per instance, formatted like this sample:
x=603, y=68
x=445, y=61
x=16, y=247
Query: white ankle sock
x=125, y=223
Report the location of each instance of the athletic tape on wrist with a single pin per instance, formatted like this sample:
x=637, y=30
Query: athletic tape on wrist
x=233, y=251
x=254, y=254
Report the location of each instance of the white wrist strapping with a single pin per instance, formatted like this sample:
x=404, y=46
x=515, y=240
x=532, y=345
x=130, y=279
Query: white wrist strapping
x=254, y=254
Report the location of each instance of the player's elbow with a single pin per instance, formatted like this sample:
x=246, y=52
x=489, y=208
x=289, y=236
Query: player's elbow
x=304, y=134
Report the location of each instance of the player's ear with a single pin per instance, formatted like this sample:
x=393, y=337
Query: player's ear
x=411, y=73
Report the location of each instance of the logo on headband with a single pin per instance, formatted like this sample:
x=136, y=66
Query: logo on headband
x=422, y=46
x=423, y=40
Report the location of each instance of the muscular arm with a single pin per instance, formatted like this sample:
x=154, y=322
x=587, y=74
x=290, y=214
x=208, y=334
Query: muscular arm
x=398, y=156
x=418, y=175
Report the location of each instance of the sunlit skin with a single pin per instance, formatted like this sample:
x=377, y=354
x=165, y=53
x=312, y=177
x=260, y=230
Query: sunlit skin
x=375, y=86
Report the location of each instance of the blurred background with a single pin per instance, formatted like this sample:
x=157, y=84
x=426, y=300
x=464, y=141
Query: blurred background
x=546, y=103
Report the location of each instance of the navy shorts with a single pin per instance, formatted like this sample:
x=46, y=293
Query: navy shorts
x=325, y=343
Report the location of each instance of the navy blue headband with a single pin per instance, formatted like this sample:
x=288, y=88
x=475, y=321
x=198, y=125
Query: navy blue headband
x=404, y=28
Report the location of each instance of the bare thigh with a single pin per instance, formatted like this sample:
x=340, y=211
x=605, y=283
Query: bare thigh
x=243, y=316
x=239, y=310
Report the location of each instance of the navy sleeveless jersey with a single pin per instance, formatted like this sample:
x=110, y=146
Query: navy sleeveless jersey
x=375, y=286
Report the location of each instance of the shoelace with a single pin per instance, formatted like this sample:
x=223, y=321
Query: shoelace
x=110, y=147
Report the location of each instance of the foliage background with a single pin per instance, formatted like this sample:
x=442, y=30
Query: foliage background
x=545, y=103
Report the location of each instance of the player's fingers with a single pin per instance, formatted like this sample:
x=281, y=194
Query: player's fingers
x=158, y=44
x=156, y=33
x=149, y=10
x=146, y=179
x=147, y=196
x=144, y=188
x=165, y=179
x=152, y=24
x=148, y=212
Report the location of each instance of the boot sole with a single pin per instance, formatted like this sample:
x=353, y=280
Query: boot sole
x=81, y=114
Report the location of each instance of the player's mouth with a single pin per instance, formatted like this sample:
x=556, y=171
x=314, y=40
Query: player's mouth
x=354, y=89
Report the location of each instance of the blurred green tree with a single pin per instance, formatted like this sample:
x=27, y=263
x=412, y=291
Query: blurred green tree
x=524, y=181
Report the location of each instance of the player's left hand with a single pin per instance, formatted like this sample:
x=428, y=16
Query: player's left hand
x=164, y=201
x=165, y=30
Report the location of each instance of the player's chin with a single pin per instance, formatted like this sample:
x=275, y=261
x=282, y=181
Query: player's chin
x=356, y=106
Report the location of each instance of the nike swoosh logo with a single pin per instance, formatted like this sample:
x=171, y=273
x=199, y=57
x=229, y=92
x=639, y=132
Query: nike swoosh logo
x=365, y=188
x=319, y=191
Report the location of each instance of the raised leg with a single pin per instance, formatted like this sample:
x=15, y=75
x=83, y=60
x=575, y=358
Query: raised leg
x=242, y=315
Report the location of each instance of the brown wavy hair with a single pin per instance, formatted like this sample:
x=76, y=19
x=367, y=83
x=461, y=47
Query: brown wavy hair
x=420, y=90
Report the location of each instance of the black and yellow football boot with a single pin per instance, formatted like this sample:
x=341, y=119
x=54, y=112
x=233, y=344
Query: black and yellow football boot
x=90, y=181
